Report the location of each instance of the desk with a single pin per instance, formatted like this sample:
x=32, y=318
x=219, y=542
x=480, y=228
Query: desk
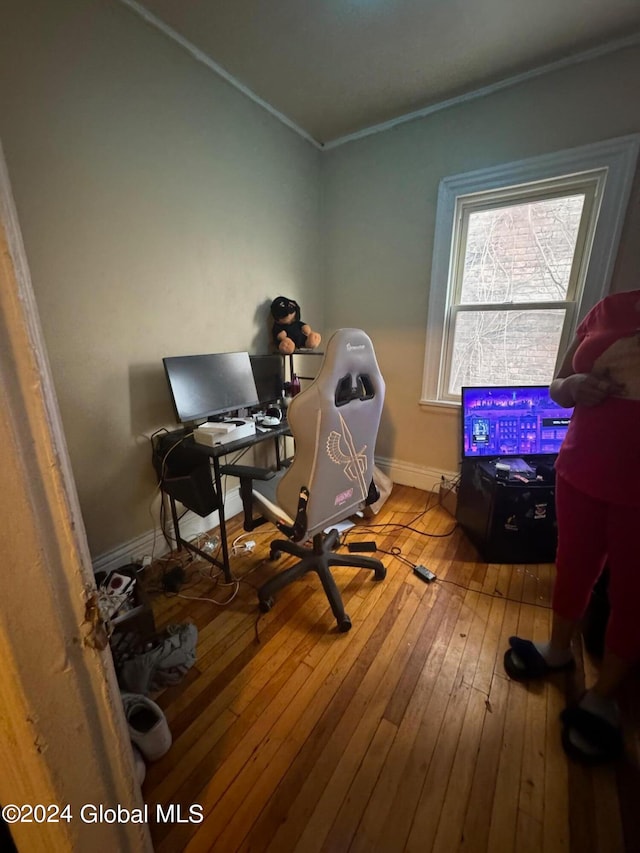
x=188, y=485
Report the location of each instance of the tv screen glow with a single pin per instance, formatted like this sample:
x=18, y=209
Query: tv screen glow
x=511, y=421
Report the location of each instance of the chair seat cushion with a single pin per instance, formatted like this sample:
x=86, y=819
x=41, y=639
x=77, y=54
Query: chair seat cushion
x=264, y=494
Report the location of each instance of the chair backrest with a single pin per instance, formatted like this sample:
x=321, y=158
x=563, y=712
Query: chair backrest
x=335, y=424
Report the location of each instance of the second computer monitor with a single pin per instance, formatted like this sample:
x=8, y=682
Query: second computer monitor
x=268, y=372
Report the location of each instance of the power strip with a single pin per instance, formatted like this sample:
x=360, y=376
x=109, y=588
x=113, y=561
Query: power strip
x=243, y=548
x=361, y=546
x=424, y=573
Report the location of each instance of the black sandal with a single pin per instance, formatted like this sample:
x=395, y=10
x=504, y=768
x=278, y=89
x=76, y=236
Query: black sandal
x=603, y=737
x=531, y=663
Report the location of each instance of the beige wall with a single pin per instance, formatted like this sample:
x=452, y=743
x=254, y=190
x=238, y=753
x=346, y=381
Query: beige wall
x=379, y=210
x=161, y=212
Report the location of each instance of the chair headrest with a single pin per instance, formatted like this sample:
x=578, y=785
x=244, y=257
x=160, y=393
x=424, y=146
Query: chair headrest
x=349, y=365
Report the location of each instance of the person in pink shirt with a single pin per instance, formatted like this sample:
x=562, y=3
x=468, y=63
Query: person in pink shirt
x=598, y=512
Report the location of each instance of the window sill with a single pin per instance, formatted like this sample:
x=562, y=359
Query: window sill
x=440, y=405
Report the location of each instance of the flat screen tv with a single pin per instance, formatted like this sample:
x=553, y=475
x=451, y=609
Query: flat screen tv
x=268, y=372
x=511, y=421
x=205, y=386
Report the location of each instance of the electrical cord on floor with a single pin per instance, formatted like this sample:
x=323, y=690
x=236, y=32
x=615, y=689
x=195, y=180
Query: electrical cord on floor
x=235, y=584
x=397, y=553
x=494, y=595
x=255, y=627
x=371, y=528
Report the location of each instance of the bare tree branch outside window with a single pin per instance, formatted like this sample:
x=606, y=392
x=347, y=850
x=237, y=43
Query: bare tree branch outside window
x=513, y=255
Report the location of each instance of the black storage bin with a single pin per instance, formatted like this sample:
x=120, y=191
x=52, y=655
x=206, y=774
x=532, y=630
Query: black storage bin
x=508, y=521
x=184, y=473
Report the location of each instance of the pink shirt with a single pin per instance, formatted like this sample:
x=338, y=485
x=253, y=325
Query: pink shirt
x=601, y=452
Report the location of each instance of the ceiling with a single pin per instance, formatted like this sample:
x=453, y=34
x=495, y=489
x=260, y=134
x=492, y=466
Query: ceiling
x=336, y=67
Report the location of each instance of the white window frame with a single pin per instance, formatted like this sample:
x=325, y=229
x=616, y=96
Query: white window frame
x=610, y=163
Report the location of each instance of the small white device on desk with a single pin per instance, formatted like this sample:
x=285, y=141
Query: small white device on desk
x=224, y=432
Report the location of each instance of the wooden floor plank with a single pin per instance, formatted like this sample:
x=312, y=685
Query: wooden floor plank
x=404, y=734
x=363, y=718
x=449, y=835
x=345, y=825
x=531, y=802
x=278, y=811
x=317, y=803
x=502, y=831
x=555, y=829
x=242, y=786
x=447, y=702
x=477, y=819
x=397, y=771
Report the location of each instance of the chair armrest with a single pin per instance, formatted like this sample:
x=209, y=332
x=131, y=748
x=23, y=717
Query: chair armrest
x=247, y=472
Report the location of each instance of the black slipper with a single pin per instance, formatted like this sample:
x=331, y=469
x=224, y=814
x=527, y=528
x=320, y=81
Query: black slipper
x=604, y=738
x=533, y=665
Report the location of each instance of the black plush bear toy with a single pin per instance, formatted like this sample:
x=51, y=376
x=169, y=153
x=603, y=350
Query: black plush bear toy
x=289, y=331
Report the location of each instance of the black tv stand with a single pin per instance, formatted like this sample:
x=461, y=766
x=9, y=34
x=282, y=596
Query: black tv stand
x=509, y=514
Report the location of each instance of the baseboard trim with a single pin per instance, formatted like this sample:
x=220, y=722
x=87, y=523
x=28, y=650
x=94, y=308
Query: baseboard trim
x=153, y=542
x=418, y=476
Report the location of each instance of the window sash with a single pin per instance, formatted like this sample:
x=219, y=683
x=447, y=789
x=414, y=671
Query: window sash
x=569, y=309
x=590, y=187
x=613, y=159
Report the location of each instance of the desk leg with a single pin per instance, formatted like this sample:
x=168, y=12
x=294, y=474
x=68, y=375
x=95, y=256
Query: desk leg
x=226, y=568
x=176, y=523
x=182, y=543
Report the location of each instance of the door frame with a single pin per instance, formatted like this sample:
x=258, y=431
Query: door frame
x=63, y=738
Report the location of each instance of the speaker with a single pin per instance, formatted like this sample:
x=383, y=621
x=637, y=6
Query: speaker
x=507, y=520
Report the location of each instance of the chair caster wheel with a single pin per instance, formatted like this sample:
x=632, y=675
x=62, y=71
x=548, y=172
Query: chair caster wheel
x=344, y=625
x=380, y=574
x=265, y=604
x=275, y=555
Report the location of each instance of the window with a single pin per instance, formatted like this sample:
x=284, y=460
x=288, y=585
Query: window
x=517, y=276
x=521, y=252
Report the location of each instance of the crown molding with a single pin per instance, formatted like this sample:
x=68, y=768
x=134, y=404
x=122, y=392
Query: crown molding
x=217, y=69
x=613, y=46
x=575, y=59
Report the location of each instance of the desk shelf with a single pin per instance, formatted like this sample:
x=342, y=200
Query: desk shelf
x=300, y=353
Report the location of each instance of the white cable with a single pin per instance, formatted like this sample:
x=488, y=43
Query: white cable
x=212, y=600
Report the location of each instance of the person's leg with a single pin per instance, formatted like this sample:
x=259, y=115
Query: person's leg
x=613, y=671
x=562, y=631
x=592, y=730
x=580, y=557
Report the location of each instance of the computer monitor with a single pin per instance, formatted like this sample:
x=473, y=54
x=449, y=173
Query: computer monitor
x=268, y=372
x=203, y=386
x=511, y=421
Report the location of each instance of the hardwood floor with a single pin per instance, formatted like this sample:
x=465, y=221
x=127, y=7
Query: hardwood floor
x=402, y=735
